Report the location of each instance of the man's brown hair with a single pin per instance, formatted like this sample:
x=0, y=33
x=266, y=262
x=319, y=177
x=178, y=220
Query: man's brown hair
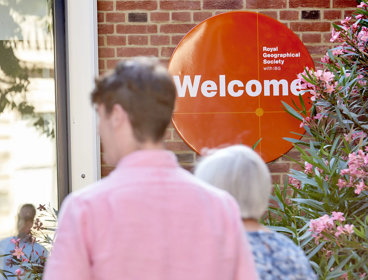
x=145, y=90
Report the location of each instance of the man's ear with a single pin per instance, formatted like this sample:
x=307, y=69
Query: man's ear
x=118, y=115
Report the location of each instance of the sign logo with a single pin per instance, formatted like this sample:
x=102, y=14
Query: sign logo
x=231, y=72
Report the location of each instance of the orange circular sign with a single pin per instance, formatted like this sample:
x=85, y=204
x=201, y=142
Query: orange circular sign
x=232, y=71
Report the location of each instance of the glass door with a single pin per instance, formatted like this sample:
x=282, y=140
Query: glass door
x=28, y=122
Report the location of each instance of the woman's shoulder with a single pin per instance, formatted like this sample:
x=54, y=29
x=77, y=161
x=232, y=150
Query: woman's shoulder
x=276, y=251
x=275, y=240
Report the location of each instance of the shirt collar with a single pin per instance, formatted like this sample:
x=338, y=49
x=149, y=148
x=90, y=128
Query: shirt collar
x=150, y=158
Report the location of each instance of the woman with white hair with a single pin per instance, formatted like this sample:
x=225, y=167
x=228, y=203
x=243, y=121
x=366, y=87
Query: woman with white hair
x=241, y=171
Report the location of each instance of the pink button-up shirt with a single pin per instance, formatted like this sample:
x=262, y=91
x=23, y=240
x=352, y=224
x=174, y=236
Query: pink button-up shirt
x=150, y=220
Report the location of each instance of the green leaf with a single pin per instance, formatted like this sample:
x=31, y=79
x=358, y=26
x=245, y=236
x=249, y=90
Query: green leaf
x=315, y=250
x=281, y=229
x=256, y=144
x=291, y=111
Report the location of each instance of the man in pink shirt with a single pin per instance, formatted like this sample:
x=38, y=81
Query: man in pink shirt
x=149, y=219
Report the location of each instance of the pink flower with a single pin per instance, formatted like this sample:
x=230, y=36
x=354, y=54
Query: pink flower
x=18, y=272
x=308, y=168
x=349, y=229
x=360, y=16
x=341, y=183
x=361, y=80
x=338, y=216
x=360, y=187
x=325, y=59
x=305, y=122
x=15, y=241
x=362, y=5
x=339, y=231
x=327, y=76
x=294, y=182
x=330, y=88
x=318, y=73
x=335, y=36
x=328, y=253
x=18, y=252
x=337, y=52
x=346, y=20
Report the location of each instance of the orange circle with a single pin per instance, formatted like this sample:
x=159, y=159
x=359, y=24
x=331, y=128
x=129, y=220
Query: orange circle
x=259, y=112
x=232, y=71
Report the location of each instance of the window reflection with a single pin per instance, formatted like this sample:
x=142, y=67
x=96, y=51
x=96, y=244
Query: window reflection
x=27, y=109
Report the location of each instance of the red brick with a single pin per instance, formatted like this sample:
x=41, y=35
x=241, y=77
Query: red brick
x=101, y=64
x=177, y=146
x=188, y=167
x=296, y=167
x=348, y=13
x=165, y=62
x=137, y=40
x=136, y=5
x=181, y=16
x=266, y=4
x=105, y=28
x=176, y=39
x=105, y=5
x=317, y=61
x=331, y=14
x=116, y=40
x=176, y=28
x=160, y=16
x=131, y=51
x=100, y=17
x=344, y=3
x=106, y=52
x=160, y=40
x=111, y=63
x=167, y=51
x=101, y=41
x=200, y=16
x=276, y=179
x=115, y=17
x=310, y=26
x=327, y=37
x=168, y=135
x=135, y=29
x=320, y=50
x=277, y=167
x=293, y=153
x=185, y=158
x=222, y=4
x=220, y=12
x=176, y=135
x=289, y=15
x=311, y=38
x=309, y=3
x=180, y=5
x=272, y=14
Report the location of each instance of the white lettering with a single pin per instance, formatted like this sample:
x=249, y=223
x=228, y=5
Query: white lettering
x=249, y=90
x=187, y=83
x=209, y=88
x=222, y=85
x=295, y=87
x=234, y=88
x=276, y=87
x=230, y=88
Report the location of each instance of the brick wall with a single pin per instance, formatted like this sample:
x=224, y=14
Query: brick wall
x=155, y=27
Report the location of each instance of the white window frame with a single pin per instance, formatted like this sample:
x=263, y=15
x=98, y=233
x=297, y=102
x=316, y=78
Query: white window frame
x=82, y=65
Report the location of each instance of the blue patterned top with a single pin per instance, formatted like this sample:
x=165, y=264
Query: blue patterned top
x=277, y=257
